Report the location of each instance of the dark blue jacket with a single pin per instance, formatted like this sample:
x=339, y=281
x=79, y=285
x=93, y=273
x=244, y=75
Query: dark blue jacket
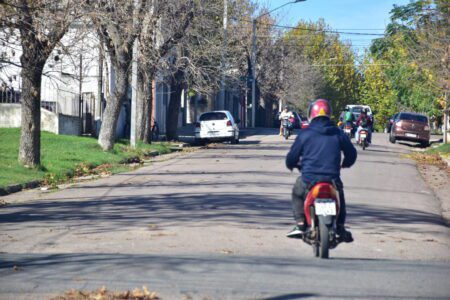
x=317, y=149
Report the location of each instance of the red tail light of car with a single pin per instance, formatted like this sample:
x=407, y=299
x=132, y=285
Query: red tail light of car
x=305, y=124
x=229, y=123
x=198, y=125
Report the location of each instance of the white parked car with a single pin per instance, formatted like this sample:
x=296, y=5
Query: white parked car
x=217, y=126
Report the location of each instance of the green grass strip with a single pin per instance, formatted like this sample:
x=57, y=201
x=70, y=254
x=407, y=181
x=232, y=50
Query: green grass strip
x=64, y=156
x=443, y=149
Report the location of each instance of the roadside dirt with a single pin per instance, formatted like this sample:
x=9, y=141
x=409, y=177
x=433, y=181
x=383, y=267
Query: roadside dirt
x=436, y=174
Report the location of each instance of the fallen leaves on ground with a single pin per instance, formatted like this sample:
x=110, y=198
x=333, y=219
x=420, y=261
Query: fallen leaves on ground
x=104, y=294
x=428, y=159
x=86, y=169
x=227, y=251
x=153, y=226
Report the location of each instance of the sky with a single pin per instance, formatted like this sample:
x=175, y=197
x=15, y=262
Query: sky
x=339, y=14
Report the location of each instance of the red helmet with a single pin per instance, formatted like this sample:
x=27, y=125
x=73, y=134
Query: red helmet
x=319, y=108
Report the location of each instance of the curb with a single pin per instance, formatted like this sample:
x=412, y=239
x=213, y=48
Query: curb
x=15, y=188
x=19, y=187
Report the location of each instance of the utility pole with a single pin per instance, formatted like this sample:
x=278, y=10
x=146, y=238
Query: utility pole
x=134, y=82
x=224, y=63
x=80, y=95
x=99, y=83
x=253, y=59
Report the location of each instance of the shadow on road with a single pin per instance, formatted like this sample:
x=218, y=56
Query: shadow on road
x=269, y=278
x=292, y=296
x=265, y=211
x=384, y=219
x=115, y=213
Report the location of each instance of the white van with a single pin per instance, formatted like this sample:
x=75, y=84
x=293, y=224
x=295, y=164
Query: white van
x=356, y=109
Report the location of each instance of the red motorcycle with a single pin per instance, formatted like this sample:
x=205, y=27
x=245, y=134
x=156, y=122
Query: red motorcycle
x=363, y=135
x=321, y=211
x=348, y=131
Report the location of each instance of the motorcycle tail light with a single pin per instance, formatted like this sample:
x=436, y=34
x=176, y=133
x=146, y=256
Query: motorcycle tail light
x=323, y=191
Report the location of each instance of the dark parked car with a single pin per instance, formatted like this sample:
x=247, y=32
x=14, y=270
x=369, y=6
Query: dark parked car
x=410, y=127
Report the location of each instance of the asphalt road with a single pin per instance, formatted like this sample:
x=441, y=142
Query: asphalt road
x=211, y=225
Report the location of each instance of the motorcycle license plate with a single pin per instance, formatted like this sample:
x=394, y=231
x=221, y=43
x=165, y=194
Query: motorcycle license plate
x=325, y=208
x=347, y=130
x=363, y=135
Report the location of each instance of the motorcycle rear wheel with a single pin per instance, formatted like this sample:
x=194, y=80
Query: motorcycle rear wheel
x=316, y=247
x=324, y=240
x=285, y=133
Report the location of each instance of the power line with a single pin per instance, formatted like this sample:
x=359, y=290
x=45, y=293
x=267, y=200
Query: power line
x=318, y=30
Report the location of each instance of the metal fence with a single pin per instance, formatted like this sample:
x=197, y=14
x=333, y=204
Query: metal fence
x=9, y=96
x=12, y=96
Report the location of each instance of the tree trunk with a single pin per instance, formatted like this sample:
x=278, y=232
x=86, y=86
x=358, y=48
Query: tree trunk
x=30, y=137
x=107, y=135
x=149, y=110
x=144, y=107
x=174, y=107
x=141, y=107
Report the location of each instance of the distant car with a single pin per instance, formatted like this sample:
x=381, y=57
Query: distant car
x=217, y=126
x=410, y=127
x=298, y=120
x=305, y=123
x=357, y=109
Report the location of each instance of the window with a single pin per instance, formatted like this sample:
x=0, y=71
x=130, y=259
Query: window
x=357, y=110
x=413, y=117
x=213, y=116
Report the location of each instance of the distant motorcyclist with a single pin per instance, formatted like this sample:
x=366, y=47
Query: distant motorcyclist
x=286, y=114
x=349, y=119
x=317, y=151
x=364, y=121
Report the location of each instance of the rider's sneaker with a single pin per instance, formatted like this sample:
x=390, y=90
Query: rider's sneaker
x=297, y=231
x=344, y=234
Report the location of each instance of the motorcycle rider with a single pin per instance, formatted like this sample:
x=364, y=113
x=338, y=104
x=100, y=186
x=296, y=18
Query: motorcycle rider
x=286, y=114
x=349, y=119
x=317, y=151
x=364, y=121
